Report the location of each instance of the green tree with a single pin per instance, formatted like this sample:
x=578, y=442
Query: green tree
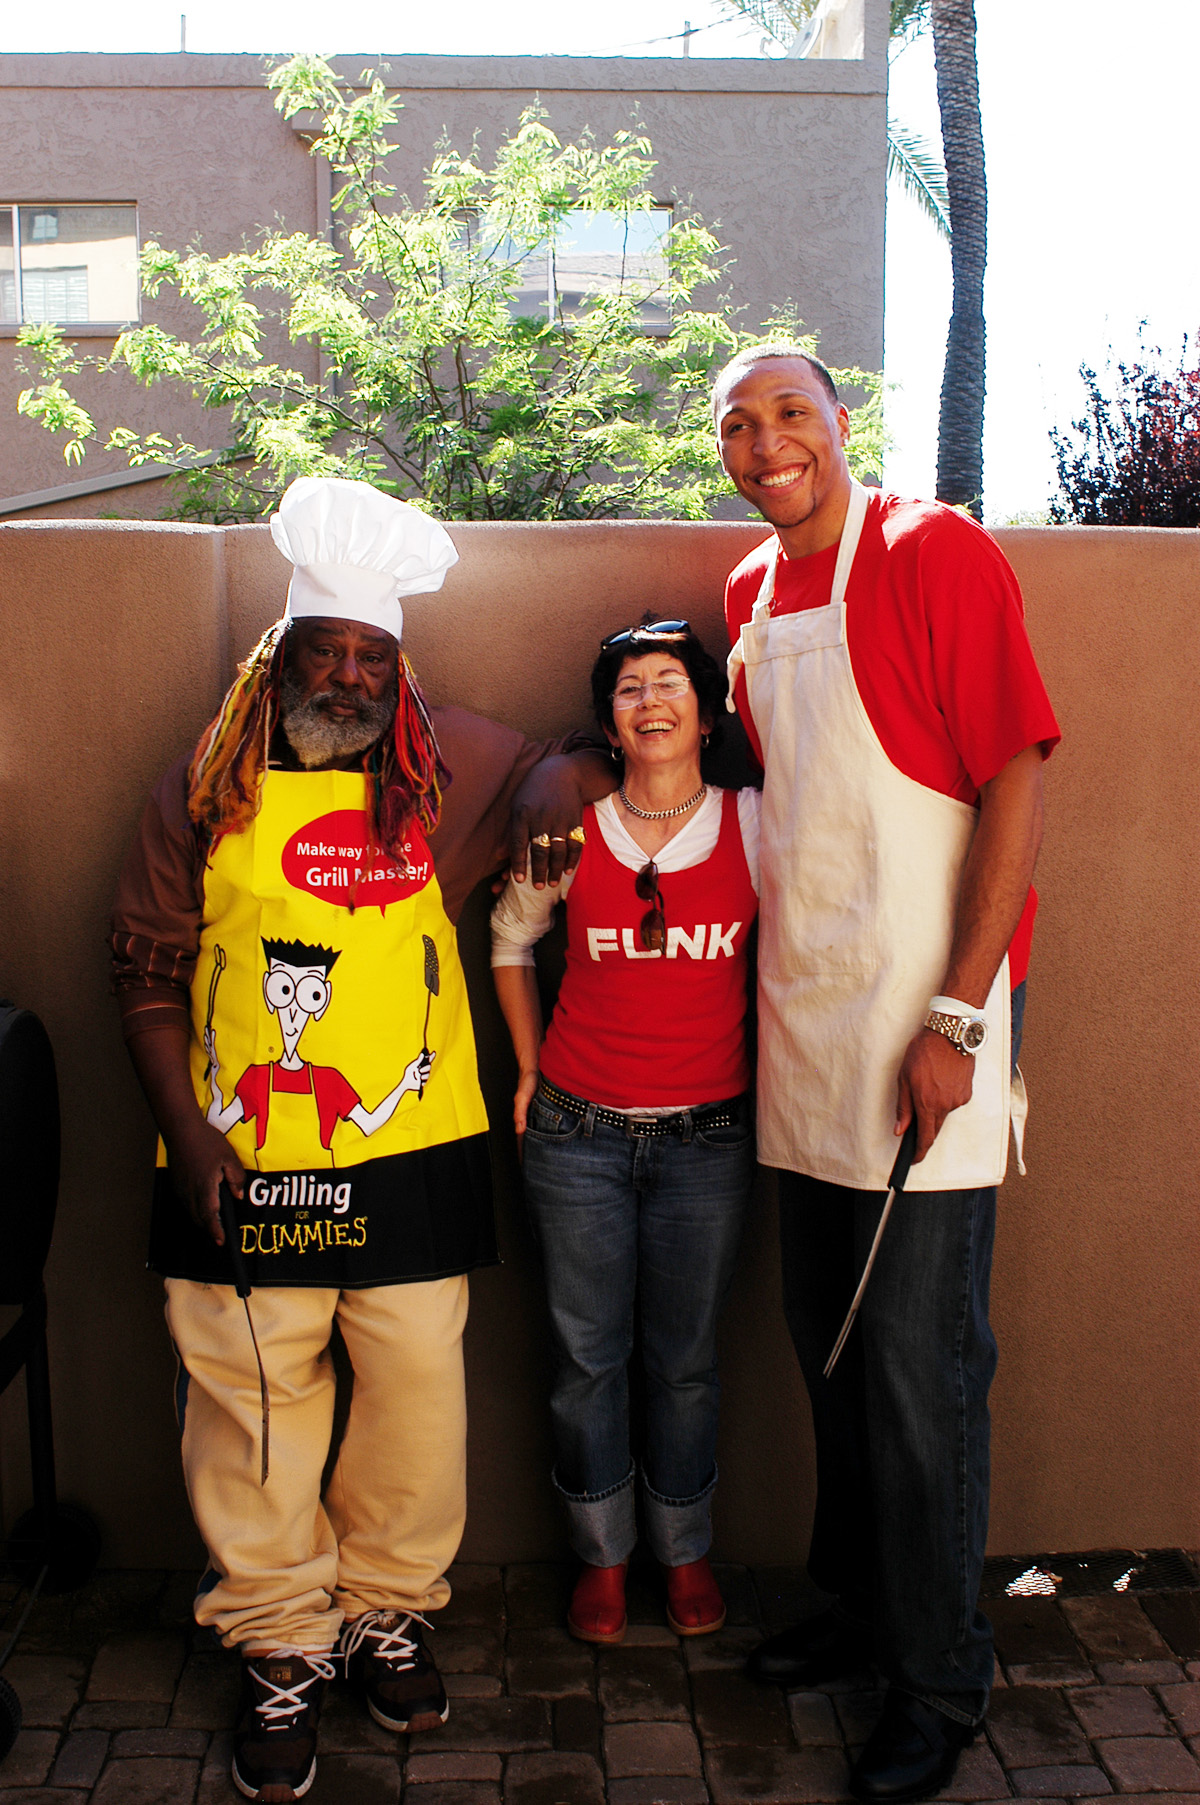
x=435, y=386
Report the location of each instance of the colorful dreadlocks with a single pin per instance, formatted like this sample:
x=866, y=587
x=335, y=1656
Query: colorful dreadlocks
x=404, y=769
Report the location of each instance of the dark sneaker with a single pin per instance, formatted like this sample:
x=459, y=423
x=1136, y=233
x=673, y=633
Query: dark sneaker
x=404, y=1687
x=275, y=1743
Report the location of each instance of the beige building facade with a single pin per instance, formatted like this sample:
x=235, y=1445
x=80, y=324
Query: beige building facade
x=784, y=159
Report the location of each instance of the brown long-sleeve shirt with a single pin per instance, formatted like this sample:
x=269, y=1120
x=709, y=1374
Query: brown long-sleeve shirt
x=160, y=893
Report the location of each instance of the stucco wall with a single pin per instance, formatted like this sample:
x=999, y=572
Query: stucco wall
x=121, y=637
x=785, y=160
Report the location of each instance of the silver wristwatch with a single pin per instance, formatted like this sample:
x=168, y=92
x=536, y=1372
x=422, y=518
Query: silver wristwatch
x=966, y=1032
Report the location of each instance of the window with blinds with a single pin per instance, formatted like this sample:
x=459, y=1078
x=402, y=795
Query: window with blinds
x=73, y=265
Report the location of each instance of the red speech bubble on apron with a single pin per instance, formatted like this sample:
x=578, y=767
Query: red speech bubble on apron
x=331, y=858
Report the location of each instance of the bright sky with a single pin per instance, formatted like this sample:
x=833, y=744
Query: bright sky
x=1088, y=121
x=1088, y=126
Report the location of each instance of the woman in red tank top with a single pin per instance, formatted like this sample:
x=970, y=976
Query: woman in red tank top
x=635, y=1123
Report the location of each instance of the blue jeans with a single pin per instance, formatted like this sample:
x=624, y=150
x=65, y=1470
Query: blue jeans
x=902, y=1428
x=636, y=1228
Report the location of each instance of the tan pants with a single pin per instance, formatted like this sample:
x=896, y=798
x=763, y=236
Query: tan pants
x=288, y=1567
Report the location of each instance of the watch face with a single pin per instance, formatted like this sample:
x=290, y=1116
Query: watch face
x=973, y=1036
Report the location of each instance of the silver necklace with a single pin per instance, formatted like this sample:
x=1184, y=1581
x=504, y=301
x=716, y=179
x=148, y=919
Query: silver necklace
x=663, y=814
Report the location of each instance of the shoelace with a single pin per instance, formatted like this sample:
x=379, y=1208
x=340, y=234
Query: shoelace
x=394, y=1645
x=285, y=1701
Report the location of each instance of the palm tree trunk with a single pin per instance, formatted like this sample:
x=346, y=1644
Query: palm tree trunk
x=960, y=427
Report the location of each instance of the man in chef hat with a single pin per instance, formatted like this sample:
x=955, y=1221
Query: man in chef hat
x=311, y=815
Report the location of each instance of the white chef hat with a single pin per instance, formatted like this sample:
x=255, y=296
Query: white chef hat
x=356, y=551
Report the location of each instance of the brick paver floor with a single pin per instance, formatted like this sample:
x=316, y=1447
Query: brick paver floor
x=126, y=1704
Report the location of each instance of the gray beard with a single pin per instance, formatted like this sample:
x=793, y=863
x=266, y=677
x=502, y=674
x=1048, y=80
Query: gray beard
x=317, y=737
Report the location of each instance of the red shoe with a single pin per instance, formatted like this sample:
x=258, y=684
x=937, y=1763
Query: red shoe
x=694, y=1603
x=597, y=1609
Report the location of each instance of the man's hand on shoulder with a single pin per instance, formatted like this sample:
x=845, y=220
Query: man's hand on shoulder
x=935, y=1078
x=547, y=812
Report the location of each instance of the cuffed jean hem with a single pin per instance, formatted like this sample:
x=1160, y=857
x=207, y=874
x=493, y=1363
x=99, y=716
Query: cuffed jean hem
x=931, y=1677
x=678, y=1530
x=962, y=1707
x=601, y=1526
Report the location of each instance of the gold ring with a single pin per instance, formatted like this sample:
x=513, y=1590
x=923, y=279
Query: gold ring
x=541, y=839
x=578, y=835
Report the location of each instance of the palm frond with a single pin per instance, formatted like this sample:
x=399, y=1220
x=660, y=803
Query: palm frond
x=907, y=18
x=915, y=166
x=780, y=19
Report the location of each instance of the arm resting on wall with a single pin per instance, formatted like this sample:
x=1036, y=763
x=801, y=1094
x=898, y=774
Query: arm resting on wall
x=935, y=1077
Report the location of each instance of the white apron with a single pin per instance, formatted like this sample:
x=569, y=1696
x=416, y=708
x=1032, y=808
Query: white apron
x=861, y=868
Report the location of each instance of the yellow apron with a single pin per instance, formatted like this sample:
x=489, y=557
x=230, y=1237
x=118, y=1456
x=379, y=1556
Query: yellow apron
x=332, y=1045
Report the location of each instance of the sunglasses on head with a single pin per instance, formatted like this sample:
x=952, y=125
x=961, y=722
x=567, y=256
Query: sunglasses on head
x=659, y=629
x=653, y=930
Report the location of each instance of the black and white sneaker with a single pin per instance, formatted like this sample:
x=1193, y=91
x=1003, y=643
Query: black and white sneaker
x=404, y=1688
x=275, y=1743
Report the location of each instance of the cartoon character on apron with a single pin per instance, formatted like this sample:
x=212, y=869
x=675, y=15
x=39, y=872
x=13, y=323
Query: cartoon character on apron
x=324, y=967
x=861, y=867
x=291, y=1100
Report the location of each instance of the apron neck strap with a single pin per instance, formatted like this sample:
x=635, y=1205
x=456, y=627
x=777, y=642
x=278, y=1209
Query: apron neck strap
x=856, y=513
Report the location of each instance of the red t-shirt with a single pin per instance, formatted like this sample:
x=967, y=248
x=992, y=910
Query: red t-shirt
x=641, y=1028
x=935, y=628
x=334, y=1095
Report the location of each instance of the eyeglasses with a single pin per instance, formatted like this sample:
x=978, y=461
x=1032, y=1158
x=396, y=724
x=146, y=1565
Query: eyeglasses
x=659, y=629
x=310, y=992
x=664, y=689
x=653, y=931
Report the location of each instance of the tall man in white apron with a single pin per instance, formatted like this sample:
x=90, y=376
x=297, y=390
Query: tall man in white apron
x=883, y=669
x=282, y=895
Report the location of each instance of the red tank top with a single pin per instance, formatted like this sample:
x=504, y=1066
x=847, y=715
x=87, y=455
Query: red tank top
x=633, y=1028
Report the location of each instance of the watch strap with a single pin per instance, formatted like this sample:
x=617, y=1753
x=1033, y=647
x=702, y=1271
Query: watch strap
x=954, y=1006
x=966, y=1032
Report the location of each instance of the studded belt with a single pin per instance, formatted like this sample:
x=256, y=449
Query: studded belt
x=714, y=1115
